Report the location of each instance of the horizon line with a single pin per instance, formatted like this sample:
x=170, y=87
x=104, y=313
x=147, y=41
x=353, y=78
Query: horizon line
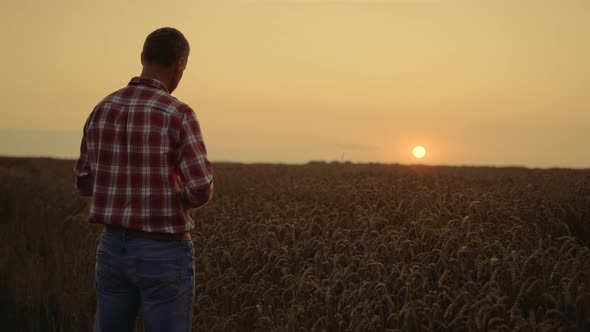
x=333, y=162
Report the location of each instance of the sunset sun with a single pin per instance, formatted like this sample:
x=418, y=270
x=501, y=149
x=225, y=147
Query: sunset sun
x=419, y=152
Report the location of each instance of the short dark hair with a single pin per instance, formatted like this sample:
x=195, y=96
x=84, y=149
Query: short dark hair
x=165, y=46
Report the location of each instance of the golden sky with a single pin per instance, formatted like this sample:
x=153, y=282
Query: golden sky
x=475, y=82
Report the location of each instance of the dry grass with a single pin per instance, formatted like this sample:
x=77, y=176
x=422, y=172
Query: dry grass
x=335, y=247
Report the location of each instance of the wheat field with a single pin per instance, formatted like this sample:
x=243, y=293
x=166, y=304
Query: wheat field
x=326, y=247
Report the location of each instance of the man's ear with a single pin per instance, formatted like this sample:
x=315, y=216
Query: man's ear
x=141, y=58
x=181, y=64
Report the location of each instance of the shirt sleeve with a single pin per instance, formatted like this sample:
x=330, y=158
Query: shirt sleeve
x=195, y=168
x=82, y=170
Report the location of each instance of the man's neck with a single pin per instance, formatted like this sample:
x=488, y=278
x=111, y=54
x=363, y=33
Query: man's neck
x=155, y=73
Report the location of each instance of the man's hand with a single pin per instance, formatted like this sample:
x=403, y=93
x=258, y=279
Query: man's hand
x=199, y=199
x=84, y=185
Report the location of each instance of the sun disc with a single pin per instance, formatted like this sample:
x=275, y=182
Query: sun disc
x=419, y=152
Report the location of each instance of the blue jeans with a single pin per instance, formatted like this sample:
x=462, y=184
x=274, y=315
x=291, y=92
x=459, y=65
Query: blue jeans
x=154, y=276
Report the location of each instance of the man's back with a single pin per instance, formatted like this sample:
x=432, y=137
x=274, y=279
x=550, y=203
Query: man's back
x=144, y=164
x=143, y=147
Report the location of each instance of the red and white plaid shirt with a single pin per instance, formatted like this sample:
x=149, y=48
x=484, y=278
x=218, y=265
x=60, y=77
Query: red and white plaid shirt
x=143, y=160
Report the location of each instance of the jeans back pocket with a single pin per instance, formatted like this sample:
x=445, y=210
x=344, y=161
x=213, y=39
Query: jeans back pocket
x=109, y=277
x=158, y=278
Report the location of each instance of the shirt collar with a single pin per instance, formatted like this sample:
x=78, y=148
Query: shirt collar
x=148, y=81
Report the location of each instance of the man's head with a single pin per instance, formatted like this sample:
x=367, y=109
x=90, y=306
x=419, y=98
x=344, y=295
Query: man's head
x=164, y=56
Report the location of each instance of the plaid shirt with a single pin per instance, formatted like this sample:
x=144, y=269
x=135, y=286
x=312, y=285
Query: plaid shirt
x=143, y=160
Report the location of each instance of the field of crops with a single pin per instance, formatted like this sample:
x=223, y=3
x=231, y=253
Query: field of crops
x=335, y=247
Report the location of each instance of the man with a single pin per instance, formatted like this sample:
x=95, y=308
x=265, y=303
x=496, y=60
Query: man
x=144, y=164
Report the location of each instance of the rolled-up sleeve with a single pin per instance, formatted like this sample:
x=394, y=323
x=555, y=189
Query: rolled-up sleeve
x=195, y=168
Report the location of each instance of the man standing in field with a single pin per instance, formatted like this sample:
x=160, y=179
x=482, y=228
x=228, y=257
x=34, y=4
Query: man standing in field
x=144, y=164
